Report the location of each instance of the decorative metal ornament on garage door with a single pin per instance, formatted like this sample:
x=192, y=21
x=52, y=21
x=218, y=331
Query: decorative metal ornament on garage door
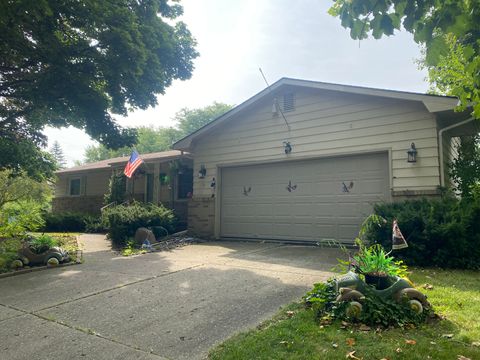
x=291, y=187
x=347, y=186
x=246, y=191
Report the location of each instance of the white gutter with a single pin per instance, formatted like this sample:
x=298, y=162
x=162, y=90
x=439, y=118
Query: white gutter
x=440, y=145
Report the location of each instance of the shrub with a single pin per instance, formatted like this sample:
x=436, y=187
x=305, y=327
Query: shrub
x=124, y=220
x=116, y=189
x=67, y=221
x=19, y=217
x=376, y=311
x=42, y=243
x=94, y=224
x=443, y=232
x=8, y=252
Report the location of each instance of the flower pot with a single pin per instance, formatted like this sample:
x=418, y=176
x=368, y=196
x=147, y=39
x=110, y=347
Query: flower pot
x=379, y=281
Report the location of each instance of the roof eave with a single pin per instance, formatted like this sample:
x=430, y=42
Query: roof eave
x=433, y=103
x=161, y=159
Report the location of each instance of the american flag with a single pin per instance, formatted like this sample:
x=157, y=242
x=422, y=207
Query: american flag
x=133, y=163
x=398, y=241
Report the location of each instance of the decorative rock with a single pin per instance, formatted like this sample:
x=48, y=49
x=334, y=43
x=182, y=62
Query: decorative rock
x=143, y=234
x=16, y=264
x=53, y=262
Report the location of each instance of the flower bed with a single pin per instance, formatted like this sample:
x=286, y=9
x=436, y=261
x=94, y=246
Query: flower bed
x=38, y=251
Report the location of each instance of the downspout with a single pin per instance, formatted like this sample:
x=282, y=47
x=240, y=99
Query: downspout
x=440, y=145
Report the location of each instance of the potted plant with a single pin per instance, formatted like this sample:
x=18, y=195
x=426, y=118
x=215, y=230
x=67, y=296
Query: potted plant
x=377, y=266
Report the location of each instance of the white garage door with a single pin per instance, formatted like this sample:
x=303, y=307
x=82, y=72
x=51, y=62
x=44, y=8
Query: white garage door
x=302, y=200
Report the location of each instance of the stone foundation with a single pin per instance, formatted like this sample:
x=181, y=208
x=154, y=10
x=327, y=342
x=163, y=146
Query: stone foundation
x=201, y=217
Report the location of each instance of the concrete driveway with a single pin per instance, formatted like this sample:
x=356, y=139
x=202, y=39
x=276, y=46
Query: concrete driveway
x=173, y=305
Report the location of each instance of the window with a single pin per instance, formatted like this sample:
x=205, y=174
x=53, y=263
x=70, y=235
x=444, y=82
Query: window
x=185, y=184
x=288, y=102
x=75, y=187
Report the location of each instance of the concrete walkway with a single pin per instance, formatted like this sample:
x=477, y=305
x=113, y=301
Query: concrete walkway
x=173, y=305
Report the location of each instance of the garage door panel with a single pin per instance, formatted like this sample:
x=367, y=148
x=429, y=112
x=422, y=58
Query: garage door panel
x=326, y=231
x=328, y=198
x=345, y=231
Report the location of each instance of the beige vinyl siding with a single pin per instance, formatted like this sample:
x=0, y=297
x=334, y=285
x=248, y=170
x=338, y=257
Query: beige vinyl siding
x=97, y=183
x=450, y=153
x=326, y=123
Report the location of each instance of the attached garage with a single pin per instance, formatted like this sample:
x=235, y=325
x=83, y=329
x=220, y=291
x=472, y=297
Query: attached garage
x=347, y=149
x=309, y=200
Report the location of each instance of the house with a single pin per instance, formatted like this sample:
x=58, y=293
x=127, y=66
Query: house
x=306, y=161
x=164, y=177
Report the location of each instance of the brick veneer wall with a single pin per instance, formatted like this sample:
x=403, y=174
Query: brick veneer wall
x=84, y=204
x=201, y=217
x=181, y=210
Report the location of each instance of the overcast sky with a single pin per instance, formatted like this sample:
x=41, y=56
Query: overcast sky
x=237, y=37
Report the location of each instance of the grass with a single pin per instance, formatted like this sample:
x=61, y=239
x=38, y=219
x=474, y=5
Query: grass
x=294, y=334
x=132, y=248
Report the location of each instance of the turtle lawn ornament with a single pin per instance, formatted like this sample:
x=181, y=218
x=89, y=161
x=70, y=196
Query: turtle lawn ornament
x=352, y=289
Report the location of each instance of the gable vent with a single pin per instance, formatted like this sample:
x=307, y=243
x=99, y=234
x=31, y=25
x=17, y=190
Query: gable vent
x=288, y=102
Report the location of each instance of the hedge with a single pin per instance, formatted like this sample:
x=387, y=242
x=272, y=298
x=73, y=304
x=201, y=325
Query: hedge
x=66, y=221
x=123, y=220
x=443, y=232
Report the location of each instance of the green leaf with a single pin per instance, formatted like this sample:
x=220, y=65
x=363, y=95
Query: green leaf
x=395, y=20
x=435, y=50
x=387, y=25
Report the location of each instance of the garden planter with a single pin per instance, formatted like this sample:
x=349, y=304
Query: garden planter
x=379, y=281
x=352, y=289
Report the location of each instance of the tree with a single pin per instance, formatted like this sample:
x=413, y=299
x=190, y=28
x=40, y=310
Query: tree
x=148, y=140
x=161, y=139
x=23, y=157
x=116, y=189
x=78, y=62
x=57, y=153
x=465, y=168
x=190, y=120
x=449, y=30
x=21, y=187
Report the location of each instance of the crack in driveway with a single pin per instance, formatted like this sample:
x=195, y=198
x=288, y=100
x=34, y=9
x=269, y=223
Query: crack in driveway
x=179, y=312
x=36, y=313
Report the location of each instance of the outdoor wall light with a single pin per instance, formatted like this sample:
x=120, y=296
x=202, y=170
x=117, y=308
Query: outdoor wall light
x=202, y=172
x=287, y=147
x=412, y=154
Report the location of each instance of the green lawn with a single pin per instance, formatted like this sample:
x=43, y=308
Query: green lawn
x=455, y=296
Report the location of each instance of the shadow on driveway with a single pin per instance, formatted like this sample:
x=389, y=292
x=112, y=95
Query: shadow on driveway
x=174, y=304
